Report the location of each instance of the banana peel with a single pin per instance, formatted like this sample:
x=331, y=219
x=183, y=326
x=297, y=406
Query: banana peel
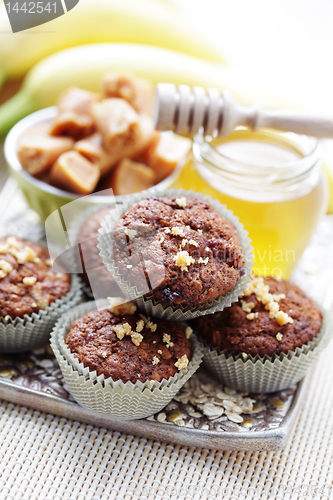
x=151, y=22
x=84, y=66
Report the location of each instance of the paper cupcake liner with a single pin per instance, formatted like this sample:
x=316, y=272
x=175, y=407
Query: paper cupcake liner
x=157, y=308
x=30, y=332
x=114, y=398
x=266, y=374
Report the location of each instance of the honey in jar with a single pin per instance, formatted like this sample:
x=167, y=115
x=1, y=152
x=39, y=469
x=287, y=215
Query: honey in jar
x=272, y=181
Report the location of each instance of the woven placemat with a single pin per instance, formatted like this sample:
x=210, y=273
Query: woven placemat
x=48, y=457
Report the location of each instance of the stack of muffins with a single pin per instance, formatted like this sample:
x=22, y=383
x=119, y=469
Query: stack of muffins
x=183, y=263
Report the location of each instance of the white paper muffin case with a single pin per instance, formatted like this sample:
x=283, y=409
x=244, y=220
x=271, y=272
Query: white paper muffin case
x=103, y=395
x=266, y=374
x=157, y=308
x=30, y=332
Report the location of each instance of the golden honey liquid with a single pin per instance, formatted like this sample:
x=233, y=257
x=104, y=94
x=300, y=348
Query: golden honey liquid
x=280, y=231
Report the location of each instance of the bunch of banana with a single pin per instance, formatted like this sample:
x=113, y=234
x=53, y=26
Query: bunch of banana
x=152, y=22
x=85, y=66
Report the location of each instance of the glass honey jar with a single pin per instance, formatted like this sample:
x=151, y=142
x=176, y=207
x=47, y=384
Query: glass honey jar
x=272, y=181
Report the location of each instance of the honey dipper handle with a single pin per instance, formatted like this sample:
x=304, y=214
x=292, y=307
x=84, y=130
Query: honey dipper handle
x=185, y=110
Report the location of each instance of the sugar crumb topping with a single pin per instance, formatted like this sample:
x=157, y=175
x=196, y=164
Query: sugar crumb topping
x=31, y=280
x=200, y=231
x=182, y=362
x=167, y=230
x=203, y=261
x=247, y=306
x=270, y=301
x=184, y=241
x=181, y=202
x=252, y=316
x=140, y=326
x=177, y=231
x=167, y=340
x=183, y=259
x=155, y=360
x=117, y=306
x=194, y=243
x=188, y=332
x=279, y=336
x=131, y=233
x=5, y=268
x=126, y=329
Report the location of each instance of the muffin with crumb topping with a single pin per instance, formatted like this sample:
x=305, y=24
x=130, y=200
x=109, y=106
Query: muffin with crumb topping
x=28, y=280
x=273, y=317
x=128, y=346
x=121, y=363
x=181, y=246
x=33, y=293
x=267, y=340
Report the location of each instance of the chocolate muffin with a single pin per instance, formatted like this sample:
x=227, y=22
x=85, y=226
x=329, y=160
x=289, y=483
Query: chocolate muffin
x=273, y=317
x=28, y=281
x=179, y=250
x=99, y=281
x=128, y=346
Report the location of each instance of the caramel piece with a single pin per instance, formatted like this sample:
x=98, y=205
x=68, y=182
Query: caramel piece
x=74, y=117
x=117, y=122
x=130, y=177
x=92, y=148
x=136, y=91
x=74, y=173
x=164, y=154
x=38, y=150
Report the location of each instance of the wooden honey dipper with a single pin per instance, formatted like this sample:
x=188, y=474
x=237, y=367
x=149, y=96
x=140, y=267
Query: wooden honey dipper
x=185, y=110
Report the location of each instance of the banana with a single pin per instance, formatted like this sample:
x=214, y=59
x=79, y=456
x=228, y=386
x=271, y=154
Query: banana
x=152, y=22
x=85, y=66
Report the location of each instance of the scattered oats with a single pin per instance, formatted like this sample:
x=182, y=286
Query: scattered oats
x=5, y=268
x=175, y=415
x=33, y=304
x=181, y=202
x=129, y=266
x=194, y=243
x=195, y=414
x=229, y=391
x=122, y=330
x=182, y=362
x=48, y=262
x=31, y=280
x=177, y=231
x=212, y=411
x=183, y=259
x=161, y=240
x=234, y=417
x=167, y=230
x=200, y=231
x=180, y=422
x=136, y=338
x=131, y=233
x=188, y=332
x=167, y=340
x=140, y=326
x=161, y=417
x=228, y=405
x=46, y=363
x=279, y=336
x=117, y=306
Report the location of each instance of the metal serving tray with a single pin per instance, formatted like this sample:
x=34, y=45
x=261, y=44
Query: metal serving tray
x=35, y=380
